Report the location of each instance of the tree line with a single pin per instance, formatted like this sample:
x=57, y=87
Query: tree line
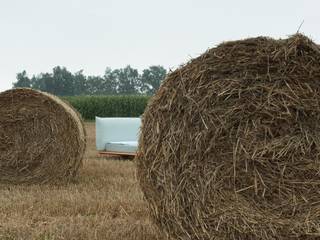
x=123, y=81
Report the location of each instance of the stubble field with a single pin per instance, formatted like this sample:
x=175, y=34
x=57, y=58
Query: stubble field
x=104, y=203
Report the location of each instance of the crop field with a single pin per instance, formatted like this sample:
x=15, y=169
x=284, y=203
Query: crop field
x=104, y=203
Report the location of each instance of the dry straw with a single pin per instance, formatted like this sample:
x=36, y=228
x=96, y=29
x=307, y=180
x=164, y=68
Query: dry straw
x=42, y=138
x=230, y=144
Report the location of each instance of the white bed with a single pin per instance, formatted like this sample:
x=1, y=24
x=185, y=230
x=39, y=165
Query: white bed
x=117, y=134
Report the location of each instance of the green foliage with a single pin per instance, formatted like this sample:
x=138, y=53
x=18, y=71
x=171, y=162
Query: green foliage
x=151, y=79
x=108, y=106
x=22, y=80
x=123, y=81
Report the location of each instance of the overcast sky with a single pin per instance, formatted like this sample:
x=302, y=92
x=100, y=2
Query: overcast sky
x=37, y=35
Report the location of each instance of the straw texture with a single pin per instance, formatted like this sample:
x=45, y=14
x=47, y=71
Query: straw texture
x=42, y=138
x=230, y=144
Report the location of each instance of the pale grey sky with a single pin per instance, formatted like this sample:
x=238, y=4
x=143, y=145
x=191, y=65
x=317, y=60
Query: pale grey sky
x=37, y=35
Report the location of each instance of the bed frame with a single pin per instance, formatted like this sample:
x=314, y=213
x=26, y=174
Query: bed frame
x=117, y=154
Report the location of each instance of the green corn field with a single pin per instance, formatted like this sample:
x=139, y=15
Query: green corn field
x=109, y=106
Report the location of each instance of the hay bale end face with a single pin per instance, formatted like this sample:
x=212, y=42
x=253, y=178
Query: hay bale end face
x=230, y=144
x=42, y=138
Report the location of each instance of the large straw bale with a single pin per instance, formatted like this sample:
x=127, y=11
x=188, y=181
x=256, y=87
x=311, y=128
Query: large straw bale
x=230, y=144
x=42, y=138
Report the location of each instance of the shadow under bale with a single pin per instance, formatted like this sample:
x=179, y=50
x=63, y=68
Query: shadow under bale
x=230, y=144
x=42, y=138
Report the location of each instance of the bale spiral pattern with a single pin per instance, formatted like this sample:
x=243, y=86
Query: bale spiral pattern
x=42, y=138
x=230, y=144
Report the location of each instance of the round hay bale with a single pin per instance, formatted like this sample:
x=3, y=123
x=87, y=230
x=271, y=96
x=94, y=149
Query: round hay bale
x=230, y=144
x=42, y=138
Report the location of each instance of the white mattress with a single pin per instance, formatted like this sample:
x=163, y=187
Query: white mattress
x=125, y=146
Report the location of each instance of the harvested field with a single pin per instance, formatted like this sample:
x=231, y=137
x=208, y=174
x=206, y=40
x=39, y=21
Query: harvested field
x=104, y=203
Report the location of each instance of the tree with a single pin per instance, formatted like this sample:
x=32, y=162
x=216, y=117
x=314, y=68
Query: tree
x=151, y=79
x=60, y=82
x=63, y=82
x=79, y=81
x=128, y=80
x=110, y=82
x=94, y=85
x=22, y=80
